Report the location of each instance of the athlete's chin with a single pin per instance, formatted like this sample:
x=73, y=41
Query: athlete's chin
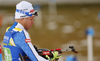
x=28, y=29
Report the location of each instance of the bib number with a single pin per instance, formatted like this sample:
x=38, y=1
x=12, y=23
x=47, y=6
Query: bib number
x=7, y=54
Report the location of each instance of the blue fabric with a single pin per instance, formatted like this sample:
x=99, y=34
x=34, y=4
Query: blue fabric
x=0, y=57
x=21, y=46
x=90, y=31
x=71, y=58
x=23, y=12
x=13, y=26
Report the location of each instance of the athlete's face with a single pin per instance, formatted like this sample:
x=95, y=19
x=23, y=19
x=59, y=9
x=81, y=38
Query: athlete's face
x=28, y=22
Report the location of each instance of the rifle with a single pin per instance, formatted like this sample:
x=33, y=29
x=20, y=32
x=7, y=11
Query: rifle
x=44, y=52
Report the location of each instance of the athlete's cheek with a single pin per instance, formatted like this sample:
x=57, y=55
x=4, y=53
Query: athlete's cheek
x=32, y=22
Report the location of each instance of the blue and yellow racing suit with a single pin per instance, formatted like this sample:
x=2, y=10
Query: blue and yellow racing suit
x=17, y=41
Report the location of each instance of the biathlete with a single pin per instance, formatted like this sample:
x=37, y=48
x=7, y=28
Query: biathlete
x=17, y=40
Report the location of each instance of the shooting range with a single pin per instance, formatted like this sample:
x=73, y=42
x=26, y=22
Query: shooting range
x=60, y=24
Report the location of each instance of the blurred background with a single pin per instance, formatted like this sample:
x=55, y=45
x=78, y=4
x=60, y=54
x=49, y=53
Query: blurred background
x=59, y=24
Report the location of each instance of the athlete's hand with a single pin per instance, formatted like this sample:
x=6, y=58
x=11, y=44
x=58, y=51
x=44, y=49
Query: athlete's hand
x=55, y=54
